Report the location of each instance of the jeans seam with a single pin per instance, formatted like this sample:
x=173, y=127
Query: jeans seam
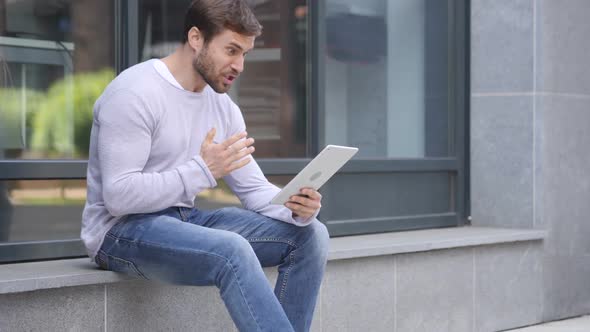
x=273, y=239
x=286, y=277
x=243, y=295
x=164, y=247
x=130, y=264
x=120, y=238
x=291, y=259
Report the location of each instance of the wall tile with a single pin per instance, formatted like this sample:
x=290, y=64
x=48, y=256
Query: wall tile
x=566, y=174
x=358, y=295
x=508, y=286
x=60, y=309
x=501, y=45
x=562, y=46
x=502, y=161
x=434, y=291
x=566, y=287
x=148, y=306
x=562, y=203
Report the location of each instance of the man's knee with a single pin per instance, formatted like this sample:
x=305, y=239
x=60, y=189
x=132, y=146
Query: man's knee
x=237, y=248
x=318, y=238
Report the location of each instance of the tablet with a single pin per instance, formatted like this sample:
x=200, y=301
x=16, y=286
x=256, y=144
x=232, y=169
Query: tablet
x=317, y=172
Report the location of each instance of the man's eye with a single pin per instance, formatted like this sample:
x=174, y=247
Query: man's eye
x=231, y=51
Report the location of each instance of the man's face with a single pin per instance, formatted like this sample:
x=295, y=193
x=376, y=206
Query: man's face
x=221, y=60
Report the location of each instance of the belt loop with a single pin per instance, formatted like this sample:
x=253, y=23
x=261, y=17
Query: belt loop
x=183, y=215
x=181, y=212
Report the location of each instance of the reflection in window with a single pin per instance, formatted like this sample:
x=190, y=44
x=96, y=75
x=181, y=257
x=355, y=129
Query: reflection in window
x=272, y=90
x=56, y=57
x=386, y=72
x=41, y=209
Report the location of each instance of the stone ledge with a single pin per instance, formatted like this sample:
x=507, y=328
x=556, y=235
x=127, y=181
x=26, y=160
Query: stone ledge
x=22, y=277
x=426, y=240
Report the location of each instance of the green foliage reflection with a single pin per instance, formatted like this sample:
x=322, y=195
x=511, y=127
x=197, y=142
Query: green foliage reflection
x=62, y=123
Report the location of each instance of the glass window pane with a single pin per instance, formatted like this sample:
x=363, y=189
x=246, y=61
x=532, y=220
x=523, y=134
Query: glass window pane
x=387, y=77
x=271, y=92
x=56, y=57
x=41, y=210
x=386, y=195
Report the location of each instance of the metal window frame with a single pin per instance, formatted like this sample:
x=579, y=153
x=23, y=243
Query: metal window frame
x=127, y=54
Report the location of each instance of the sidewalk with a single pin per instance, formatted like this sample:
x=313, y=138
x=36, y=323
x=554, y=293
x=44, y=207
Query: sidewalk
x=577, y=324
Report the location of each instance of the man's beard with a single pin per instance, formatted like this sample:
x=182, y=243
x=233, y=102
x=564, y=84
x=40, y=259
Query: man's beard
x=204, y=66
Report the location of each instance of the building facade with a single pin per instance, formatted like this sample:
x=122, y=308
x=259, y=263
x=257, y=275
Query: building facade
x=470, y=187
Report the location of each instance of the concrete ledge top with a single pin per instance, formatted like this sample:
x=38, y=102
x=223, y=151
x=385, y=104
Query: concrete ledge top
x=22, y=277
x=427, y=239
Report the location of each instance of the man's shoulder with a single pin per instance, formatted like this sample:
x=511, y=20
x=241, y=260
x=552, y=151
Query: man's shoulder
x=132, y=91
x=138, y=80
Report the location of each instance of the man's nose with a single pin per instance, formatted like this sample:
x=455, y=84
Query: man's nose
x=238, y=64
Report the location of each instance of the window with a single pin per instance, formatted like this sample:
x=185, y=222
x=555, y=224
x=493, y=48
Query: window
x=389, y=77
x=56, y=57
x=386, y=78
x=391, y=81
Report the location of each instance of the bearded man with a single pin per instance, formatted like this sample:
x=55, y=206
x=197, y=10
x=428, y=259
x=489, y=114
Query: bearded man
x=163, y=131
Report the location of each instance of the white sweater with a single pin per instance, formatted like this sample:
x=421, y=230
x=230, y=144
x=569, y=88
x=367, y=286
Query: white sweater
x=144, y=152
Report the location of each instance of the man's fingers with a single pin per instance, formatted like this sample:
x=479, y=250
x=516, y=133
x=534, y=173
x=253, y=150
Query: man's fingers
x=241, y=154
x=210, y=136
x=312, y=193
x=238, y=164
x=300, y=210
x=307, y=202
x=230, y=141
x=238, y=146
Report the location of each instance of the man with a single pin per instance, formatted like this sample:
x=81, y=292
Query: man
x=163, y=131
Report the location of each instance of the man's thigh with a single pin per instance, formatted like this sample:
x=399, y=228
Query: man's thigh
x=161, y=246
x=272, y=240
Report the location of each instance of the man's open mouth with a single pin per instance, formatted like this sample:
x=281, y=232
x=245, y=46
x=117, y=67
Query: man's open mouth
x=229, y=79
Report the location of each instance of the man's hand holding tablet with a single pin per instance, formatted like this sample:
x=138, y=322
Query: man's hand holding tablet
x=305, y=204
x=300, y=195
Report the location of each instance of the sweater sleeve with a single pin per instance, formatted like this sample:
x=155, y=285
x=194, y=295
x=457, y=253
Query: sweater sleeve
x=125, y=133
x=253, y=189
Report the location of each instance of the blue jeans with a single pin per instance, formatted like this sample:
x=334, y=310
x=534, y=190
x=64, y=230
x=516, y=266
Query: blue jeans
x=226, y=248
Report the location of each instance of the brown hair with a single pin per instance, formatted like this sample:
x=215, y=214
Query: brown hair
x=212, y=16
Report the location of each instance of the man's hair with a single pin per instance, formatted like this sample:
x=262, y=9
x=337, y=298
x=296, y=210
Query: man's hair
x=212, y=16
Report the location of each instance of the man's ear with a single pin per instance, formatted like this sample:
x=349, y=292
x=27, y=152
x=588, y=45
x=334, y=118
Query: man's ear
x=195, y=39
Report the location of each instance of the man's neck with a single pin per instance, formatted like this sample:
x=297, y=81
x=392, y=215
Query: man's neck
x=180, y=64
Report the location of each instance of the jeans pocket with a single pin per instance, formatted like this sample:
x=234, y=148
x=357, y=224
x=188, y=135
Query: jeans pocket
x=121, y=265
